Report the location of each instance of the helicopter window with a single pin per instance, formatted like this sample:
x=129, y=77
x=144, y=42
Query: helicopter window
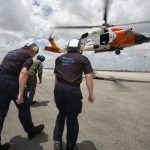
x=96, y=46
x=128, y=32
x=84, y=35
x=104, y=38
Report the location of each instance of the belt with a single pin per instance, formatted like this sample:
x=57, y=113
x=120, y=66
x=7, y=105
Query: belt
x=69, y=83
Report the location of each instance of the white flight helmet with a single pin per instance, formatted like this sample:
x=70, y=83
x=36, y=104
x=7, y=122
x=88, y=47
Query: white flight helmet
x=73, y=45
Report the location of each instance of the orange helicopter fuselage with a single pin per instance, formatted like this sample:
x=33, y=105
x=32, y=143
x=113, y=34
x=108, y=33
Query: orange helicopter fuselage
x=124, y=38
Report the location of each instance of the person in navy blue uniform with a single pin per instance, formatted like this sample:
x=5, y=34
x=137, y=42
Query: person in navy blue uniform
x=13, y=77
x=69, y=68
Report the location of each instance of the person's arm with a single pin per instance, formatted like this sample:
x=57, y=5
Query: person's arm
x=40, y=72
x=89, y=84
x=55, y=81
x=22, y=82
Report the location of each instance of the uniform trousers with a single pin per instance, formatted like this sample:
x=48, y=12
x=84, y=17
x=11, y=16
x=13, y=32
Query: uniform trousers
x=9, y=86
x=31, y=86
x=68, y=101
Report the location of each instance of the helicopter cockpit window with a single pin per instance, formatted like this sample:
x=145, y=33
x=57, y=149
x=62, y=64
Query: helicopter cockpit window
x=128, y=32
x=84, y=36
x=104, y=38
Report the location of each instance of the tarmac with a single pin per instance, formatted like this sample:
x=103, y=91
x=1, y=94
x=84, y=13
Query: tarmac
x=119, y=119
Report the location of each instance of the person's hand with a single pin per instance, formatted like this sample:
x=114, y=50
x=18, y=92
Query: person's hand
x=91, y=98
x=20, y=100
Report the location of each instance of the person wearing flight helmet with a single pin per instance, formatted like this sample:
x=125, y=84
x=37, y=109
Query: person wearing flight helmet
x=68, y=71
x=36, y=69
x=13, y=76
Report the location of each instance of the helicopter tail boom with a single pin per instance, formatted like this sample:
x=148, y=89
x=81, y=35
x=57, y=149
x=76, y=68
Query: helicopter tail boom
x=54, y=47
x=139, y=39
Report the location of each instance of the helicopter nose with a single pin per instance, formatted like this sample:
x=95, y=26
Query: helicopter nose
x=139, y=39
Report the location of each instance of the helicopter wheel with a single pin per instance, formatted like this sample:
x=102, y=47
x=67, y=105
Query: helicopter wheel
x=117, y=52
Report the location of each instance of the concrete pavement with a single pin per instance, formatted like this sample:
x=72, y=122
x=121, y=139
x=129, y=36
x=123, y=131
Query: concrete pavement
x=118, y=120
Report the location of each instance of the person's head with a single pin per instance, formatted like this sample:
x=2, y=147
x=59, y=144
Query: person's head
x=41, y=58
x=32, y=48
x=73, y=46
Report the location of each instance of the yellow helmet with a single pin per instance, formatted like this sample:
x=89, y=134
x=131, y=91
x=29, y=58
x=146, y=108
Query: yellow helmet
x=32, y=47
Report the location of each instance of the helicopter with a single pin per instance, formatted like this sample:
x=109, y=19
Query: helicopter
x=109, y=37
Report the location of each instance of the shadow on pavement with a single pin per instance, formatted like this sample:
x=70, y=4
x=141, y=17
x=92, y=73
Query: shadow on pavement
x=22, y=143
x=120, y=80
x=42, y=103
x=120, y=85
x=86, y=145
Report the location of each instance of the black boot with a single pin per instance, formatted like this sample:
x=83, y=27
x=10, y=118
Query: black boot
x=38, y=129
x=4, y=146
x=58, y=145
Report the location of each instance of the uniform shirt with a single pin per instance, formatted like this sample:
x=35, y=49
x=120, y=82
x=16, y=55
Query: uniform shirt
x=69, y=67
x=15, y=60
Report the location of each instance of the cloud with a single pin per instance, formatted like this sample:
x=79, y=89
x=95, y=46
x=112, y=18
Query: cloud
x=15, y=15
x=31, y=20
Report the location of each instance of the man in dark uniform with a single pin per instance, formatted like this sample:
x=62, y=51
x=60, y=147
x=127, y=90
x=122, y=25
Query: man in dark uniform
x=13, y=76
x=69, y=68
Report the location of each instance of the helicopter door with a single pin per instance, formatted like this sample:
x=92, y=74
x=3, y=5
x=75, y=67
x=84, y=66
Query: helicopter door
x=104, y=38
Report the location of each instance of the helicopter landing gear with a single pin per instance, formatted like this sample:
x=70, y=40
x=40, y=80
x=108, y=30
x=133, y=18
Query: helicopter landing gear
x=117, y=52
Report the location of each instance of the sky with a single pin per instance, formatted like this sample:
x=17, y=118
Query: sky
x=25, y=21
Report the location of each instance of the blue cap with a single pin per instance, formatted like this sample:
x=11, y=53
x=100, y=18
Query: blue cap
x=41, y=58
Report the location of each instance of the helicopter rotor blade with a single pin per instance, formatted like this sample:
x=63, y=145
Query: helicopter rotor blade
x=74, y=27
x=132, y=23
x=106, y=8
